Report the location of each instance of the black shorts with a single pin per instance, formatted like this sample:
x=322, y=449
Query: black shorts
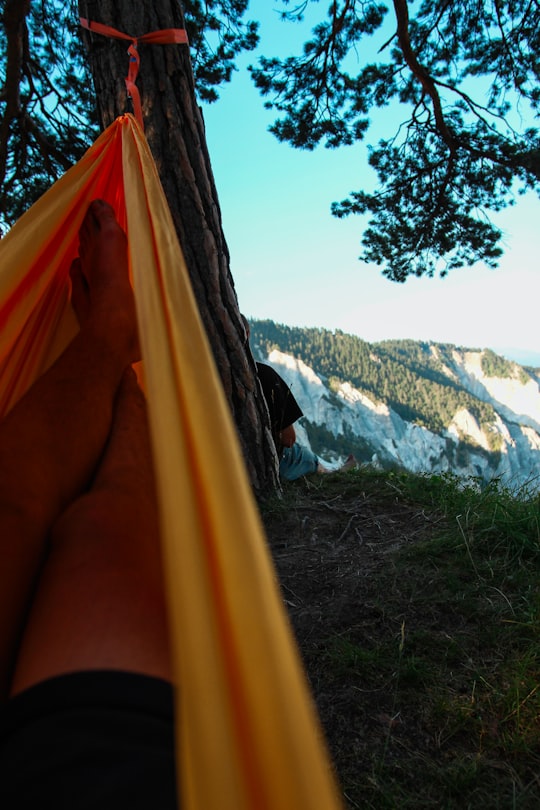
x=89, y=740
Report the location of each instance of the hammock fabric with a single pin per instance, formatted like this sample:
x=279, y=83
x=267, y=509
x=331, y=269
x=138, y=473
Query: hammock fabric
x=248, y=737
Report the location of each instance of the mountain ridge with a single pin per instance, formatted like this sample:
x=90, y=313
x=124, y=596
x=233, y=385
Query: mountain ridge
x=416, y=405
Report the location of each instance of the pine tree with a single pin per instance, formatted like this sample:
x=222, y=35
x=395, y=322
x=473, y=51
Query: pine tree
x=462, y=77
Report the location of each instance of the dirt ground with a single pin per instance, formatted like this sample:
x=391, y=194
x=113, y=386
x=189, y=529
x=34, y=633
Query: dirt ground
x=334, y=551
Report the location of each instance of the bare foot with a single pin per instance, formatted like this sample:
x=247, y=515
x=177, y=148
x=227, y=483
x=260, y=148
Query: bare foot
x=101, y=290
x=350, y=463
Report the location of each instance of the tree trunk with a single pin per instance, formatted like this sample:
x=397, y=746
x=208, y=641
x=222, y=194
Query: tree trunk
x=175, y=131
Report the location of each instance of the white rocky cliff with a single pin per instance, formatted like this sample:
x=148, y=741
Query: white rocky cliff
x=465, y=446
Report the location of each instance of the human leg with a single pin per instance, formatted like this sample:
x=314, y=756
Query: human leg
x=100, y=601
x=53, y=438
x=297, y=461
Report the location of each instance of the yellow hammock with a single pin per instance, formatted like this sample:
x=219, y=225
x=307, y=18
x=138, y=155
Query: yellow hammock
x=247, y=733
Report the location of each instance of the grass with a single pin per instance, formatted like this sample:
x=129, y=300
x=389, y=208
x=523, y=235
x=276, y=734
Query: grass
x=441, y=689
x=483, y=681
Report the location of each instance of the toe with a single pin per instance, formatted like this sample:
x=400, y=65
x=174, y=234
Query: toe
x=101, y=212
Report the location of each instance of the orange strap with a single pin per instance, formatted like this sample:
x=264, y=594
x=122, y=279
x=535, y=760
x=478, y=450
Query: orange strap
x=167, y=36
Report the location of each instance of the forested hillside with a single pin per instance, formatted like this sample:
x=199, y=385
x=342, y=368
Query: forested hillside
x=417, y=405
x=405, y=374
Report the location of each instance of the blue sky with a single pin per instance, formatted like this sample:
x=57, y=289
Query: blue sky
x=295, y=263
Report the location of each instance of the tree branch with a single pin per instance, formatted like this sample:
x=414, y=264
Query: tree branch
x=429, y=88
x=425, y=79
x=47, y=149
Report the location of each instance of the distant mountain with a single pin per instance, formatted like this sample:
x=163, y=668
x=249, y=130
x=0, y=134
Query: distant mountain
x=419, y=406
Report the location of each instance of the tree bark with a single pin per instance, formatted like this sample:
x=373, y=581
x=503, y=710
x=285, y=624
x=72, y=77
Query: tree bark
x=14, y=19
x=175, y=131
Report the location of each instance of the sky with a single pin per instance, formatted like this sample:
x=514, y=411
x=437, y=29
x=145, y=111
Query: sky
x=294, y=263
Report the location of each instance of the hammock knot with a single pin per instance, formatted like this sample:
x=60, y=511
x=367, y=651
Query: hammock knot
x=167, y=36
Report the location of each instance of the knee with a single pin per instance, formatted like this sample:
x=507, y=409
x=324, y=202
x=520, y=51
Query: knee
x=91, y=523
x=103, y=530
x=297, y=461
